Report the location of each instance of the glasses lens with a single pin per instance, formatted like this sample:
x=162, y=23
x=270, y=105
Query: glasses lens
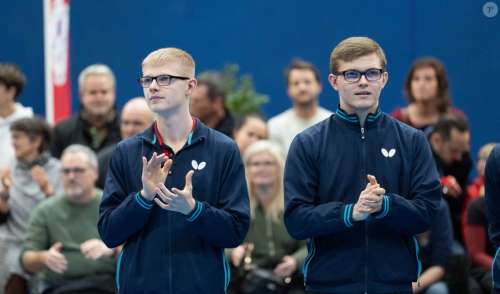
x=145, y=81
x=373, y=74
x=352, y=75
x=163, y=80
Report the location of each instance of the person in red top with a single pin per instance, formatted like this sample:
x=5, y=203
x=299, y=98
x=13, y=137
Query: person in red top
x=475, y=226
x=426, y=88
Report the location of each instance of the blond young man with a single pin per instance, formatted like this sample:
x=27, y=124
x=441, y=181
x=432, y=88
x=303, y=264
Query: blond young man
x=176, y=194
x=360, y=185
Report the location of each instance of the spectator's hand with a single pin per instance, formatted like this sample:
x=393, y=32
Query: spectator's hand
x=5, y=180
x=237, y=255
x=153, y=174
x=40, y=177
x=369, y=201
x=94, y=249
x=177, y=200
x=54, y=259
x=286, y=268
x=451, y=186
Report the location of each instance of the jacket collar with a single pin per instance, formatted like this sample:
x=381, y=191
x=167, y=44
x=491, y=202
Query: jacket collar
x=353, y=119
x=200, y=132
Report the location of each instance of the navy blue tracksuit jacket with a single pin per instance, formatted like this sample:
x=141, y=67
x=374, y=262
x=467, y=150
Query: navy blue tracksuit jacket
x=325, y=172
x=168, y=252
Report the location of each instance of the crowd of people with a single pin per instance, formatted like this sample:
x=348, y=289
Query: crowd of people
x=153, y=198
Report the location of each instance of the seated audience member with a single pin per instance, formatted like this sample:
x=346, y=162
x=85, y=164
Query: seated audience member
x=62, y=242
x=96, y=125
x=268, y=244
x=34, y=177
x=249, y=129
x=12, y=82
x=480, y=250
x=208, y=103
x=303, y=85
x=450, y=144
x=135, y=118
x=435, y=246
x=426, y=89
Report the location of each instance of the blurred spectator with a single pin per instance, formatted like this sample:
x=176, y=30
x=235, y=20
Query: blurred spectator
x=303, y=87
x=450, y=143
x=435, y=247
x=249, y=129
x=12, y=82
x=135, y=118
x=480, y=250
x=62, y=240
x=97, y=123
x=269, y=246
x=208, y=103
x=426, y=88
x=492, y=196
x=34, y=177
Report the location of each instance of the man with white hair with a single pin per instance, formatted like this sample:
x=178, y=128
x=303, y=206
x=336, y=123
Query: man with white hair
x=97, y=123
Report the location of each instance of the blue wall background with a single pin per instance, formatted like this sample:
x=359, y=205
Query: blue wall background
x=263, y=36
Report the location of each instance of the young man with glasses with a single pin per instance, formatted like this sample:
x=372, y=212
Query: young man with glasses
x=360, y=185
x=175, y=195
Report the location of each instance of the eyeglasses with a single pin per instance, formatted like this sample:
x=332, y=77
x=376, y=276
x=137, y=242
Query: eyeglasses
x=161, y=80
x=75, y=170
x=262, y=163
x=353, y=76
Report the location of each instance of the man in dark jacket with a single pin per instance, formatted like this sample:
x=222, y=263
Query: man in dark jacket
x=492, y=189
x=360, y=185
x=176, y=212
x=97, y=124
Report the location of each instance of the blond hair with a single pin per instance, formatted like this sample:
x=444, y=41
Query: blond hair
x=485, y=151
x=276, y=206
x=169, y=56
x=353, y=48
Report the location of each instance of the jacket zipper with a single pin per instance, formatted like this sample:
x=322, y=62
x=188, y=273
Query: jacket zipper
x=363, y=150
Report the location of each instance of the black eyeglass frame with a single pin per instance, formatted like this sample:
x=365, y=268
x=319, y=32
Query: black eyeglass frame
x=361, y=73
x=170, y=77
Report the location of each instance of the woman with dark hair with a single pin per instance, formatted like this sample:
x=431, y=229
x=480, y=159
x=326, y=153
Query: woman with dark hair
x=33, y=177
x=426, y=88
x=249, y=129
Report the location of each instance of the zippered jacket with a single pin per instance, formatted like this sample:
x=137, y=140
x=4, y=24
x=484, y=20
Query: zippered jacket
x=168, y=252
x=325, y=172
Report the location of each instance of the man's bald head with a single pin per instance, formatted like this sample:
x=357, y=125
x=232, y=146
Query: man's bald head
x=136, y=117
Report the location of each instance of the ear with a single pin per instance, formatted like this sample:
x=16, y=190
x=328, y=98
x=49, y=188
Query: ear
x=192, y=84
x=385, y=79
x=332, y=79
x=435, y=140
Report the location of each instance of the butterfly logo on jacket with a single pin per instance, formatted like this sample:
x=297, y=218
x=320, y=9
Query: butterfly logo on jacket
x=198, y=166
x=388, y=154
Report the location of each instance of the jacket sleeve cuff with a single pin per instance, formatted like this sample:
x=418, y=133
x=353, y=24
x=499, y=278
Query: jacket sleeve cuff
x=146, y=204
x=348, y=215
x=385, y=208
x=195, y=213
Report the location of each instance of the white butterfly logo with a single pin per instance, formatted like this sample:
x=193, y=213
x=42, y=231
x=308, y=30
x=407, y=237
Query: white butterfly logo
x=389, y=153
x=198, y=166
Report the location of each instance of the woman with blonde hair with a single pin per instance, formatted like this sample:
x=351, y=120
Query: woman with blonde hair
x=268, y=246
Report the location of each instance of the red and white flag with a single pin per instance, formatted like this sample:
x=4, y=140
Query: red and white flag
x=57, y=60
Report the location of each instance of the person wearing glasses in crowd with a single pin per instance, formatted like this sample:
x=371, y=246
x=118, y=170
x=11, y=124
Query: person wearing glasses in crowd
x=176, y=194
x=360, y=185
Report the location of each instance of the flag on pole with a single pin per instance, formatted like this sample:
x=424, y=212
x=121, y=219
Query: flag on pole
x=57, y=60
